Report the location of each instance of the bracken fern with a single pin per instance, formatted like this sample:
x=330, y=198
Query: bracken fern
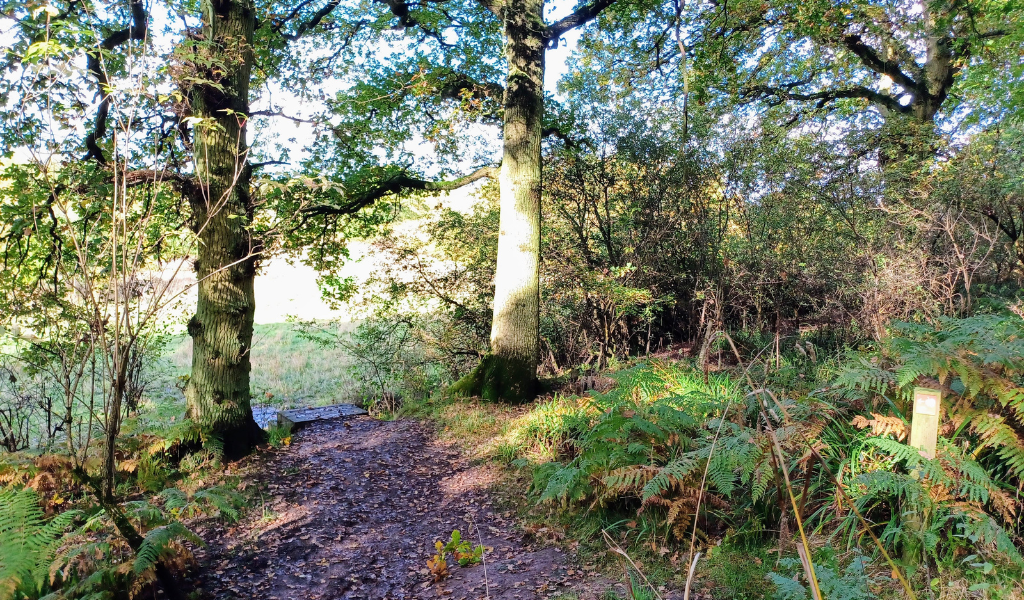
x=28, y=543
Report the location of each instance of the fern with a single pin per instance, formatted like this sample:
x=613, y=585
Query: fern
x=562, y=483
x=144, y=512
x=945, y=495
x=158, y=543
x=665, y=477
x=852, y=584
x=213, y=500
x=174, y=499
x=652, y=438
x=979, y=362
x=28, y=542
x=985, y=531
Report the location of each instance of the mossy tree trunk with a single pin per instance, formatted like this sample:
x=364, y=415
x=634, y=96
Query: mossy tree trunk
x=217, y=393
x=509, y=372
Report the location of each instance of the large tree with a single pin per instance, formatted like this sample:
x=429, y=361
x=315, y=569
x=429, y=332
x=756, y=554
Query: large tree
x=217, y=394
x=899, y=57
x=483, y=61
x=909, y=61
x=186, y=129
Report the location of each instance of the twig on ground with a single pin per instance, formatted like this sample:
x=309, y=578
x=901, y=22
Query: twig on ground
x=614, y=547
x=483, y=558
x=689, y=576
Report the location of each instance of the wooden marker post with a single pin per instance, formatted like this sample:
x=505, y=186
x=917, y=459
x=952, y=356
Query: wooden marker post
x=924, y=435
x=924, y=426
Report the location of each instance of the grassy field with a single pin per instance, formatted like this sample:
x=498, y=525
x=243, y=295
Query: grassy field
x=288, y=370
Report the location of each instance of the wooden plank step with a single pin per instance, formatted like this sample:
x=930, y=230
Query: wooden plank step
x=295, y=418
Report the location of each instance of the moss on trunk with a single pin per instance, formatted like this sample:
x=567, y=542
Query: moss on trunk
x=497, y=378
x=509, y=372
x=217, y=394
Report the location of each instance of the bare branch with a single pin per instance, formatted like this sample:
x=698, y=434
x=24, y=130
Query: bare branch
x=581, y=16
x=94, y=63
x=785, y=92
x=870, y=59
x=460, y=82
x=281, y=114
x=568, y=140
x=182, y=183
x=305, y=26
x=401, y=9
x=396, y=185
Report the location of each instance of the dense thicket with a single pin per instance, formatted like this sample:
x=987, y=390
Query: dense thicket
x=649, y=245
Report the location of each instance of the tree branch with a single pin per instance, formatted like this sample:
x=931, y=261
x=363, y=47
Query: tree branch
x=136, y=31
x=397, y=184
x=305, y=26
x=182, y=183
x=452, y=89
x=280, y=23
x=279, y=113
x=870, y=59
x=992, y=34
x=785, y=92
x=401, y=9
x=1010, y=229
x=581, y=16
x=569, y=142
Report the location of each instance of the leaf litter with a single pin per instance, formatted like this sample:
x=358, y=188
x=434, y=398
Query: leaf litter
x=353, y=508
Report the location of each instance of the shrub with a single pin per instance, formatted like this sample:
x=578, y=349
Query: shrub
x=659, y=438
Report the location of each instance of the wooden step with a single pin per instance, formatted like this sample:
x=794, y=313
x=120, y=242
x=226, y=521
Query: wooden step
x=298, y=417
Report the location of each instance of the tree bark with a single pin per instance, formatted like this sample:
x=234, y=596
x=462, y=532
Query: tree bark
x=912, y=141
x=113, y=425
x=509, y=372
x=217, y=393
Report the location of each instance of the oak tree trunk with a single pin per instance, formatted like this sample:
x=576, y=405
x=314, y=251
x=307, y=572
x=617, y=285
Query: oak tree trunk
x=509, y=372
x=217, y=393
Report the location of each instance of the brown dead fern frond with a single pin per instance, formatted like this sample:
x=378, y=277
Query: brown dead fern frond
x=882, y=425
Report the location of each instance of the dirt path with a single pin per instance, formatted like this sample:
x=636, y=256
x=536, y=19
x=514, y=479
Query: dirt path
x=352, y=509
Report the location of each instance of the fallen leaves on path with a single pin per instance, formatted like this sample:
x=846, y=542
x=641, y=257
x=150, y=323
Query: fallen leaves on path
x=352, y=509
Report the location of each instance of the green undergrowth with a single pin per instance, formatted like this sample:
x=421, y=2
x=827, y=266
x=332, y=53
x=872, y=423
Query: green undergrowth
x=58, y=541
x=631, y=467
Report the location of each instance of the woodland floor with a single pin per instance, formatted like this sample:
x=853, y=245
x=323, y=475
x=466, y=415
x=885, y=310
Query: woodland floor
x=352, y=509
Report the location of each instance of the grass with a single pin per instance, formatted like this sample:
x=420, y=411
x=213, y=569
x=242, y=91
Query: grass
x=499, y=432
x=736, y=572
x=288, y=371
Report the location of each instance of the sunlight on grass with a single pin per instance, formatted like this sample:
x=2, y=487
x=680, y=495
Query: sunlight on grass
x=538, y=432
x=287, y=371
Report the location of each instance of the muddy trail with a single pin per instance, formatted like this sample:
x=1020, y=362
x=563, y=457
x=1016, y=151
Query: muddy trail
x=352, y=508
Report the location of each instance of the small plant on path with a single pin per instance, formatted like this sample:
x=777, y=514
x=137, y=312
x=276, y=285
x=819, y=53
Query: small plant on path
x=462, y=551
x=439, y=564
